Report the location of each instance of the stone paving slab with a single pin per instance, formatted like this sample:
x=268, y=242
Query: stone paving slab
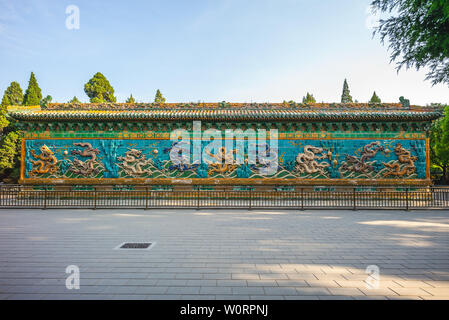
x=225, y=254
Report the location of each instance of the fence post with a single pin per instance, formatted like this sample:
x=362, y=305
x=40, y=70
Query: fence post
x=95, y=198
x=353, y=199
x=302, y=199
x=250, y=197
x=197, y=198
x=406, y=199
x=45, y=197
x=146, y=198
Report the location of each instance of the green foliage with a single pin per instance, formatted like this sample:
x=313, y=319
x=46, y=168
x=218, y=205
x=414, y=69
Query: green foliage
x=33, y=94
x=75, y=100
x=405, y=102
x=44, y=102
x=99, y=90
x=8, y=150
x=97, y=100
x=439, y=144
x=417, y=34
x=130, y=99
x=5, y=101
x=159, y=98
x=13, y=94
x=309, y=98
x=3, y=121
x=345, y=96
x=375, y=98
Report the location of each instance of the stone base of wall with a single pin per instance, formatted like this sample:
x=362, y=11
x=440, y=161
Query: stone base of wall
x=211, y=181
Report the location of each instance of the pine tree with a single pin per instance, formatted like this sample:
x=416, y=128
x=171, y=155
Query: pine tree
x=3, y=121
x=159, y=98
x=14, y=94
x=308, y=99
x=33, y=94
x=5, y=101
x=8, y=150
x=130, y=99
x=375, y=98
x=99, y=90
x=75, y=100
x=345, y=96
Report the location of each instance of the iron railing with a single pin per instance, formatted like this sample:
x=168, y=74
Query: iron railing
x=245, y=197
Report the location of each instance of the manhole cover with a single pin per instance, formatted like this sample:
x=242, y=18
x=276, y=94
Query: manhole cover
x=135, y=245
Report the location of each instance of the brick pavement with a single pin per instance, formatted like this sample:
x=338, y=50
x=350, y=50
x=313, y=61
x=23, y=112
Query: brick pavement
x=224, y=254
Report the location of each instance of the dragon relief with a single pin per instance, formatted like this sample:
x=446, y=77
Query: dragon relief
x=363, y=165
x=133, y=162
x=404, y=158
x=87, y=167
x=47, y=162
x=223, y=161
x=266, y=159
x=307, y=162
x=178, y=155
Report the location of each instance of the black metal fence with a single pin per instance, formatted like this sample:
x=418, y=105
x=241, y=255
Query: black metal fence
x=245, y=197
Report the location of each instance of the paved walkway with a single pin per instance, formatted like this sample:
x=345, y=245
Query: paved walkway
x=225, y=254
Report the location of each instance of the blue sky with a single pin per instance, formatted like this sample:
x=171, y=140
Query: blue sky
x=233, y=50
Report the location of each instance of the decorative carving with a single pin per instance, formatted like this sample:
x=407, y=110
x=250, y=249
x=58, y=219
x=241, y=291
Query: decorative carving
x=46, y=163
x=404, y=157
x=133, y=162
x=361, y=165
x=307, y=162
x=304, y=158
x=224, y=161
x=87, y=167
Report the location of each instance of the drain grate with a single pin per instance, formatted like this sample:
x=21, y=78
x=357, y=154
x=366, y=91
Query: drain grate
x=135, y=245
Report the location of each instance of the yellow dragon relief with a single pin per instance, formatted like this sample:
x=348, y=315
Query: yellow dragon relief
x=223, y=161
x=404, y=156
x=46, y=163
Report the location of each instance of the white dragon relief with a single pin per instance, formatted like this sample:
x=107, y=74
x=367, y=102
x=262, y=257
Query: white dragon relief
x=307, y=162
x=133, y=163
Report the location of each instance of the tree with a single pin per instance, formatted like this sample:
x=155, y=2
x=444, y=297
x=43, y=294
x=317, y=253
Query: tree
x=44, y=102
x=5, y=101
x=417, y=35
x=375, y=98
x=439, y=145
x=130, y=99
x=99, y=90
x=14, y=94
x=3, y=121
x=33, y=94
x=308, y=99
x=8, y=150
x=75, y=100
x=345, y=96
x=159, y=98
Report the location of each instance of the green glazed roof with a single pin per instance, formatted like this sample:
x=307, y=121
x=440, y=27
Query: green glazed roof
x=228, y=112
